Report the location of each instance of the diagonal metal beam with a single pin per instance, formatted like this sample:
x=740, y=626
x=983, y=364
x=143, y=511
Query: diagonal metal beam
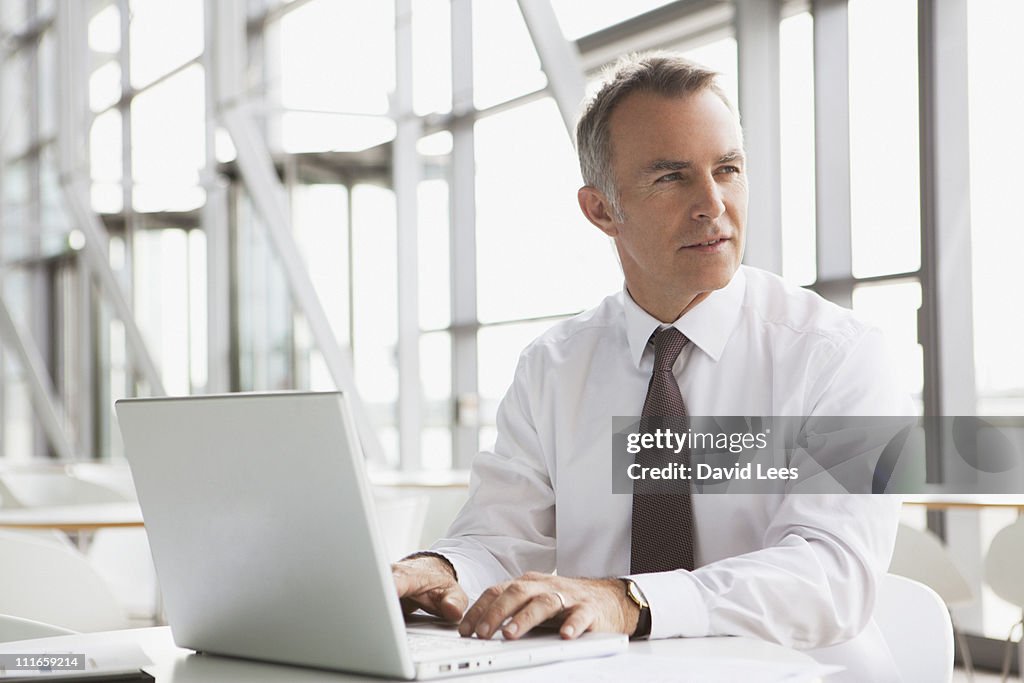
x=271, y=201
x=559, y=58
x=44, y=399
x=95, y=251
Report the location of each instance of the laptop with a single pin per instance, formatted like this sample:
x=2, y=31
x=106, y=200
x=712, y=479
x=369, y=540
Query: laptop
x=266, y=546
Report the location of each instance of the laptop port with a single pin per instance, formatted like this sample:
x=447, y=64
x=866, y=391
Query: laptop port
x=463, y=665
x=445, y=667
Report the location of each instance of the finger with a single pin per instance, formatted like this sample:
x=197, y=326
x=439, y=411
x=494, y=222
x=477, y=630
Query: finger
x=577, y=622
x=514, y=598
x=471, y=620
x=539, y=609
x=452, y=603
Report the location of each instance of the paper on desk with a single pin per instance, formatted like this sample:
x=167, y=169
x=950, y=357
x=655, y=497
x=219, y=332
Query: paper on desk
x=101, y=659
x=661, y=669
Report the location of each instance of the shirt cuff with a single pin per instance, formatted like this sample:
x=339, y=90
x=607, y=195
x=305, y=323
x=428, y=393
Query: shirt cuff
x=677, y=609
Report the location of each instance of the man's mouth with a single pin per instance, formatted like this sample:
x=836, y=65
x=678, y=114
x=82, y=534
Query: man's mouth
x=709, y=243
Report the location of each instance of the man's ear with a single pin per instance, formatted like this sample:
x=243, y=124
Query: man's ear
x=598, y=210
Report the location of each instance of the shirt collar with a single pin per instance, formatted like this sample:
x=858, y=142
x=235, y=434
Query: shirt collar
x=707, y=325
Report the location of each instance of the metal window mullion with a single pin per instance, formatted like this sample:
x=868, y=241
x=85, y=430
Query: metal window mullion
x=462, y=189
x=214, y=221
x=832, y=150
x=405, y=169
x=86, y=349
x=3, y=363
x=757, y=40
x=945, y=325
x=127, y=167
x=40, y=314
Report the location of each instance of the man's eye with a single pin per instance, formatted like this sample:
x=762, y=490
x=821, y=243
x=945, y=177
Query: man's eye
x=669, y=177
x=730, y=169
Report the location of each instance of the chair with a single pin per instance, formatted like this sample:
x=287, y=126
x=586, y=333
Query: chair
x=916, y=626
x=921, y=556
x=1003, y=564
x=115, y=476
x=38, y=489
x=43, y=581
x=16, y=628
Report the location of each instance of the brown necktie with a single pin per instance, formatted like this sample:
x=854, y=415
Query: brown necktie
x=662, y=538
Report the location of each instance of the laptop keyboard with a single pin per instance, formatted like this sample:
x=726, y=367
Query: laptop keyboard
x=422, y=645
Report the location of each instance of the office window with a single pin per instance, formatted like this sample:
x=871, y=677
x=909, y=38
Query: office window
x=375, y=308
x=163, y=36
x=320, y=225
x=338, y=57
x=796, y=75
x=499, y=347
x=106, y=165
x=997, y=242
x=436, y=390
x=168, y=143
x=505, y=63
x=434, y=255
x=167, y=271
x=104, y=33
x=892, y=306
x=264, y=311
x=884, y=162
x=527, y=213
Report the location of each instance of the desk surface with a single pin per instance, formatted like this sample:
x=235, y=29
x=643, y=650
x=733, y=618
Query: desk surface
x=172, y=664
x=73, y=517
x=946, y=501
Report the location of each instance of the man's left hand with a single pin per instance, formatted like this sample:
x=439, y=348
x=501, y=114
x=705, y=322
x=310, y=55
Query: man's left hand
x=515, y=607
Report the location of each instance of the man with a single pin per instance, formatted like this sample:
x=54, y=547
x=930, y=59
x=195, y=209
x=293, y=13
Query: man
x=661, y=152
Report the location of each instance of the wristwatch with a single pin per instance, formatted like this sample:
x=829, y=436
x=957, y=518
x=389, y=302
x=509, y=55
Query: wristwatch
x=643, y=624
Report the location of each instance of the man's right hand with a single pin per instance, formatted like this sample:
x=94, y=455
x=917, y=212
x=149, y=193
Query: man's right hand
x=429, y=583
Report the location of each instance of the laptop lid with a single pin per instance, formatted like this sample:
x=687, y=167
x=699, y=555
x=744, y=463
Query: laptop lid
x=262, y=529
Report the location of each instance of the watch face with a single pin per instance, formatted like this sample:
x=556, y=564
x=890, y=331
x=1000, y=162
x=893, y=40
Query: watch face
x=636, y=595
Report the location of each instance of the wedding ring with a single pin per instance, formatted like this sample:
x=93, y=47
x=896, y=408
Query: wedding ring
x=561, y=599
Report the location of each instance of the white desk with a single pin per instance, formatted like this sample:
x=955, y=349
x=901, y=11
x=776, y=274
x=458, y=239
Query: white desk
x=73, y=518
x=175, y=665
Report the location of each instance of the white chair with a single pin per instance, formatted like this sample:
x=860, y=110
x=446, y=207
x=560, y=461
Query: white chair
x=921, y=556
x=46, y=582
x=1003, y=564
x=115, y=476
x=16, y=628
x=42, y=488
x=916, y=626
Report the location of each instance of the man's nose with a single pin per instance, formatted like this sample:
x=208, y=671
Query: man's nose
x=709, y=203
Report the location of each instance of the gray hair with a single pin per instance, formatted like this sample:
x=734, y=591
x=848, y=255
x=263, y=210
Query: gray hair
x=660, y=73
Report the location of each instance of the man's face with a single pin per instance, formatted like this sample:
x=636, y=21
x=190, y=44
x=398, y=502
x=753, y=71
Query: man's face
x=679, y=167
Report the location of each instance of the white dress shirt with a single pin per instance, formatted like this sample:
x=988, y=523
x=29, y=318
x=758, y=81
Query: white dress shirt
x=799, y=570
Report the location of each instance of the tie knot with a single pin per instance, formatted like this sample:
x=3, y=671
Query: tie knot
x=668, y=344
